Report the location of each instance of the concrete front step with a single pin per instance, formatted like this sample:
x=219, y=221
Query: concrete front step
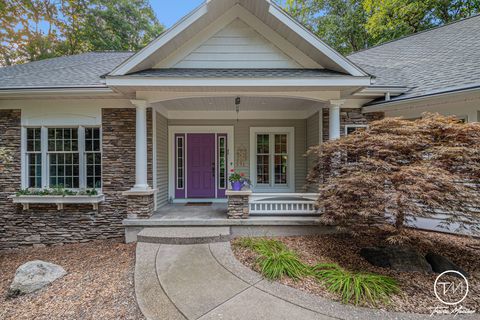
x=184, y=235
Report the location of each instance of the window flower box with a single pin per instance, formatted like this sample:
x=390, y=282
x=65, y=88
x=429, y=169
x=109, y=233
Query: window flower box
x=59, y=200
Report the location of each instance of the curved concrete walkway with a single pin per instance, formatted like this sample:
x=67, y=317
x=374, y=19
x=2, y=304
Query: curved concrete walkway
x=205, y=281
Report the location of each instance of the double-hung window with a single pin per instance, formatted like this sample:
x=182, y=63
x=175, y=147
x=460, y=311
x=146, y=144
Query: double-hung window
x=63, y=157
x=272, y=159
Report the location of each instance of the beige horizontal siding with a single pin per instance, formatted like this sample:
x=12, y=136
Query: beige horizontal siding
x=162, y=160
x=237, y=46
x=313, y=137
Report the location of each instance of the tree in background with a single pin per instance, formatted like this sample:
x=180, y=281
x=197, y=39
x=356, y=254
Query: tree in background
x=37, y=29
x=121, y=25
x=391, y=19
x=352, y=25
x=27, y=30
x=400, y=170
x=340, y=23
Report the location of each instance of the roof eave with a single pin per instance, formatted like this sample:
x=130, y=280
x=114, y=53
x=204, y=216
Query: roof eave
x=385, y=105
x=346, y=81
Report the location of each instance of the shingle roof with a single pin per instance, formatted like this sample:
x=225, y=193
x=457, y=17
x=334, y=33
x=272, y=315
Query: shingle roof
x=82, y=70
x=439, y=60
x=237, y=73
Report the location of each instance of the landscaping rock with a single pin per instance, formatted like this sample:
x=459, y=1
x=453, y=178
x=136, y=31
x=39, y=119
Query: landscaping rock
x=33, y=276
x=397, y=258
x=441, y=264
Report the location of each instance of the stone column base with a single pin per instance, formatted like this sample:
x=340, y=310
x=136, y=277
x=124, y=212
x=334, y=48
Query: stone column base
x=238, y=204
x=140, y=204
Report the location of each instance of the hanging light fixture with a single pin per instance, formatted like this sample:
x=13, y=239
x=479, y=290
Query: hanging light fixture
x=238, y=100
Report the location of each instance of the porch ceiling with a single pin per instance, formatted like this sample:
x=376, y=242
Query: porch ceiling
x=247, y=104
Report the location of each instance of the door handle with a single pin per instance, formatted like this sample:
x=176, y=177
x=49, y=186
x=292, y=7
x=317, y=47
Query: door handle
x=213, y=169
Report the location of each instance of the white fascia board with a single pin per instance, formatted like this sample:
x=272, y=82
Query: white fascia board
x=168, y=35
x=308, y=36
x=248, y=82
x=59, y=91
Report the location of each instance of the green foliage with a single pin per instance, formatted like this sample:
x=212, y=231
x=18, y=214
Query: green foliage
x=56, y=191
x=354, y=287
x=32, y=30
x=351, y=25
x=276, y=261
x=341, y=24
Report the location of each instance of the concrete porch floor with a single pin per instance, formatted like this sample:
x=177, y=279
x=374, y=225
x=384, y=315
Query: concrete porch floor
x=183, y=212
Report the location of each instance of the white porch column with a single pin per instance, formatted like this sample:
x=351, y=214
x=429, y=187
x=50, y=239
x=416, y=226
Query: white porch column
x=141, y=180
x=334, y=118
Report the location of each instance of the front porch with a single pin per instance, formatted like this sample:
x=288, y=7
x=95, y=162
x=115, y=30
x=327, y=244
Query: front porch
x=182, y=215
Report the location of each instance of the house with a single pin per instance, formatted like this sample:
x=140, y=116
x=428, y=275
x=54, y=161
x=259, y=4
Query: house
x=235, y=85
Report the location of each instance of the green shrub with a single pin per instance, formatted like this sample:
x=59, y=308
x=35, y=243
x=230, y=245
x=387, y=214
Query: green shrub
x=275, y=259
x=354, y=286
x=277, y=264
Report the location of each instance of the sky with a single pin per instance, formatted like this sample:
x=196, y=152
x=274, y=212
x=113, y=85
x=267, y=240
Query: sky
x=170, y=11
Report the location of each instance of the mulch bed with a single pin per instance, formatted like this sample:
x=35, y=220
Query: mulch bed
x=417, y=289
x=99, y=283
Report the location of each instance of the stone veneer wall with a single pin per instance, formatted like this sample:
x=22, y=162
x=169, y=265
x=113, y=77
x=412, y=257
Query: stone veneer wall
x=238, y=206
x=349, y=116
x=44, y=224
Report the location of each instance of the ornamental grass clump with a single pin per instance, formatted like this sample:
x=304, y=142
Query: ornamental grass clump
x=356, y=287
x=275, y=259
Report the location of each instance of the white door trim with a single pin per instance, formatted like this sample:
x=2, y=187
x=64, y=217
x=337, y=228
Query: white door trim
x=173, y=130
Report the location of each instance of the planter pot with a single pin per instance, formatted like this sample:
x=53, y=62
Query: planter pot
x=237, y=185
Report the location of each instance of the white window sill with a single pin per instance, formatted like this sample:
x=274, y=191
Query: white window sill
x=60, y=201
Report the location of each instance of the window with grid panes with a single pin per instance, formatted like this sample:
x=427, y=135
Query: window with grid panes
x=73, y=157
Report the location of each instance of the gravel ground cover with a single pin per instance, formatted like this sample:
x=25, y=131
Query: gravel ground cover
x=417, y=289
x=99, y=283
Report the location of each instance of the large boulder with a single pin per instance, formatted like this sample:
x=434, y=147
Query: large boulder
x=35, y=275
x=397, y=258
x=441, y=264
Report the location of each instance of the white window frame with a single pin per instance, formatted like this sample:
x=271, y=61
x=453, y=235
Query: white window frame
x=347, y=126
x=272, y=187
x=45, y=153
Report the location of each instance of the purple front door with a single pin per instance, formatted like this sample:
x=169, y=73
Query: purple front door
x=201, y=165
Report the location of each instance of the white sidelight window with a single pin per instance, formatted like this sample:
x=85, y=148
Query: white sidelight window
x=180, y=162
x=272, y=159
x=63, y=157
x=222, y=162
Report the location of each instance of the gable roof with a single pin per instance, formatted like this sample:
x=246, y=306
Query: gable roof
x=435, y=61
x=77, y=71
x=264, y=15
